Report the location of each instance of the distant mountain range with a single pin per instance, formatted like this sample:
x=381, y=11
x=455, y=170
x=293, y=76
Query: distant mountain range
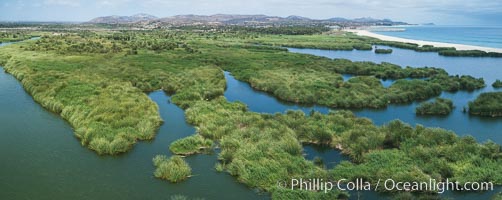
x=225, y=19
x=115, y=19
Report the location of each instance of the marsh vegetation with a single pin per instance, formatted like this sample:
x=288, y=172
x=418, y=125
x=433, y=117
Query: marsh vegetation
x=350, y=41
x=440, y=106
x=383, y=51
x=497, y=84
x=14, y=36
x=97, y=81
x=190, y=145
x=173, y=169
x=487, y=104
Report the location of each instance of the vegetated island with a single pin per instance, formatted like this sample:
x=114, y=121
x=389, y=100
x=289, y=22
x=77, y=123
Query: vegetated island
x=174, y=169
x=497, y=84
x=97, y=81
x=440, y=106
x=190, y=145
x=383, y=51
x=70, y=74
x=487, y=104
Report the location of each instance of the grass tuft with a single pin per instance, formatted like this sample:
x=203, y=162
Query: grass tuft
x=173, y=169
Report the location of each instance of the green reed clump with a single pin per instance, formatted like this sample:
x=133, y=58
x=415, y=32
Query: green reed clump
x=439, y=107
x=104, y=146
x=383, y=51
x=257, y=148
x=254, y=147
x=102, y=95
x=487, y=104
x=456, y=83
x=419, y=153
x=469, y=53
x=497, y=84
x=310, y=79
x=173, y=169
x=190, y=145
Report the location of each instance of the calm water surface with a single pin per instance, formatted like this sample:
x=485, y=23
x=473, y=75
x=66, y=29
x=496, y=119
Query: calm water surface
x=42, y=159
x=262, y=102
x=482, y=128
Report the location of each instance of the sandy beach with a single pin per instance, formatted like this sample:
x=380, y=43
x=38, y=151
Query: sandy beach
x=422, y=42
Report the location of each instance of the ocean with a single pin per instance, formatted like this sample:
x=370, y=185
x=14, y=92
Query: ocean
x=486, y=36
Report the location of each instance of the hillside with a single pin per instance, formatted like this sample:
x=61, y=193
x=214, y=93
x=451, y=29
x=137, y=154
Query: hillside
x=115, y=19
x=229, y=19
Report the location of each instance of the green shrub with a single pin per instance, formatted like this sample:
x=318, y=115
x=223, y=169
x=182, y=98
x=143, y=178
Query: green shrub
x=219, y=167
x=383, y=51
x=87, y=78
x=173, y=169
x=487, y=104
x=190, y=145
x=469, y=53
x=439, y=107
x=497, y=84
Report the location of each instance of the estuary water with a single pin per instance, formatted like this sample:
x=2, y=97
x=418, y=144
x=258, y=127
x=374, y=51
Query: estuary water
x=490, y=69
x=481, y=128
x=262, y=102
x=42, y=159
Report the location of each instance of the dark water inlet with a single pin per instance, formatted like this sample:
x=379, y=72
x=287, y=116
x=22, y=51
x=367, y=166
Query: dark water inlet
x=258, y=101
x=481, y=128
x=42, y=159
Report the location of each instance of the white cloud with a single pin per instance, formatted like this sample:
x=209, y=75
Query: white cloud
x=113, y=3
x=72, y=3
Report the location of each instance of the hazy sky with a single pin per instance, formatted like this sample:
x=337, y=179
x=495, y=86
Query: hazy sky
x=451, y=12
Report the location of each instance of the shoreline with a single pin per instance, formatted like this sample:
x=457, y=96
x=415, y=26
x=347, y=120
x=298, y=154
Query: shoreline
x=423, y=42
